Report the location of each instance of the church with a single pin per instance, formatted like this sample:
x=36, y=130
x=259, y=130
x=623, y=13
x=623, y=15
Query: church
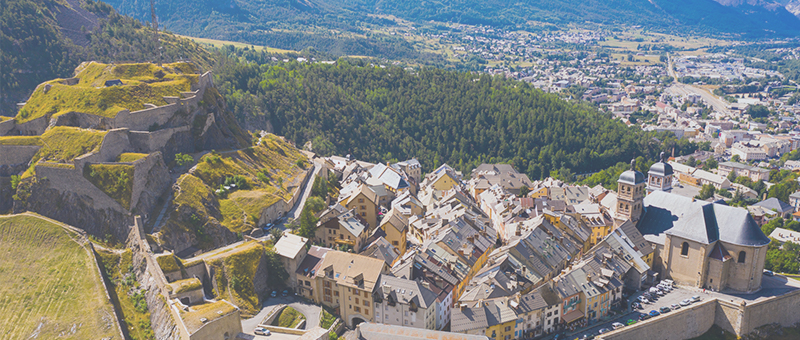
x=696, y=243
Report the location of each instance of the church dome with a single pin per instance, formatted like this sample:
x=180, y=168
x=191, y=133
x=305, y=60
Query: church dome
x=661, y=168
x=631, y=177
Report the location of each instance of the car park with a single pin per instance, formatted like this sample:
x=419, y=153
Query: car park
x=665, y=309
x=617, y=325
x=675, y=306
x=696, y=298
x=654, y=313
x=262, y=331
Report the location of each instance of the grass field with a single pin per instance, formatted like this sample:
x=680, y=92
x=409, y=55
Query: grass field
x=49, y=285
x=118, y=268
x=220, y=43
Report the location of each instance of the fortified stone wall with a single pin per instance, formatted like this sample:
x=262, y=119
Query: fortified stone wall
x=6, y=126
x=686, y=323
x=11, y=155
x=780, y=309
x=738, y=318
x=35, y=127
x=142, y=141
x=71, y=180
x=150, y=179
x=149, y=274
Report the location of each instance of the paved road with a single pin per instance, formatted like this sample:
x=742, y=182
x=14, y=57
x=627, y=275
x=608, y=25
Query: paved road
x=682, y=89
x=311, y=312
x=298, y=206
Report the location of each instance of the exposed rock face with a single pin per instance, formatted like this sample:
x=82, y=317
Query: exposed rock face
x=6, y=194
x=213, y=235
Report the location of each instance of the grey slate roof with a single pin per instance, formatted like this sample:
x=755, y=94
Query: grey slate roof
x=405, y=291
x=661, y=169
x=700, y=221
x=774, y=203
x=631, y=177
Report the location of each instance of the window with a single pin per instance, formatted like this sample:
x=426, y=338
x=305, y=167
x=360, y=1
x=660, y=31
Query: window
x=360, y=200
x=299, y=282
x=366, y=295
x=366, y=311
x=363, y=207
x=356, y=300
x=308, y=283
x=357, y=309
x=508, y=328
x=395, y=243
x=685, y=249
x=363, y=214
x=335, y=293
x=366, y=303
x=742, y=256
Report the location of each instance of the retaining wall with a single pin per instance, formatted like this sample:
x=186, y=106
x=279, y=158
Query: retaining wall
x=6, y=126
x=142, y=141
x=72, y=181
x=106, y=288
x=685, y=323
x=780, y=309
x=35, y=127
x=17, y=154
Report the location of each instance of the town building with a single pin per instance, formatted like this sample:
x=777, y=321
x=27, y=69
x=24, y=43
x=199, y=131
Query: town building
x=404, y=302
x=754, y=173
x=630, y=192
x=292, y=251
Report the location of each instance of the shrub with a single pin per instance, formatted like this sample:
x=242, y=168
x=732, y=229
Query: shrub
x=182, y=159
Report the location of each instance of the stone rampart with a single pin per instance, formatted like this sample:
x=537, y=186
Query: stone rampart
x=685, y=323
x=6, y=126
x=78, y=119
x=17, y=154
x=71, y=180
x=142, y=141
x=163, y=322
x=779, y=309
x=150, y=179
x=35, y=127
x=106, y=288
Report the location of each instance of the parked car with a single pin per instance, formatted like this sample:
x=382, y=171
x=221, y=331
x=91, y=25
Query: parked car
x=696, y=298
x=274, y=294
x=665, y=309
x=686, y=302
x=285, y=292
x=654, y=313
x=617, y=325
x=604, y=330
x=644, y=317
x=262, y=331
x=636, y=305
x=631, y=322
x=643, y=299
x=675, y=306
x=668, y=282
x=768, y=272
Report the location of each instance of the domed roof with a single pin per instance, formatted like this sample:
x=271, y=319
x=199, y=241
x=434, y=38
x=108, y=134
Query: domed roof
x=631, y=177
x=661, y=168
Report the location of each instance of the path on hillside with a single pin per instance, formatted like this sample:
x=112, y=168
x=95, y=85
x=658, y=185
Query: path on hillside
x=298, y=206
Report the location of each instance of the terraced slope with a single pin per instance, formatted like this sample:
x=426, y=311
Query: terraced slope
x=49, y=285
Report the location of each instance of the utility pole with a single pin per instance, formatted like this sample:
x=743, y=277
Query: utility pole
x=156, y=38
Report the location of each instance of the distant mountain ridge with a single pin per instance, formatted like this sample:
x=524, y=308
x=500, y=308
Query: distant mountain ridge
x=255, y=21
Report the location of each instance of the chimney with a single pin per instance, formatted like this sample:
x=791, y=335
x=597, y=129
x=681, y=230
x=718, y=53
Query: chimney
x=386, y=289
x=426, y=285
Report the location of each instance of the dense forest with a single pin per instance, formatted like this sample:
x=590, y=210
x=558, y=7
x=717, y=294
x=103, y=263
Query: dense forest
x=386, y=113
x=46, y=39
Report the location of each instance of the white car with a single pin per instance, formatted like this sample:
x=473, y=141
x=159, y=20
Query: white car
x=686, y=302
x=262, y=331
x=696, y=298
x=617, y=325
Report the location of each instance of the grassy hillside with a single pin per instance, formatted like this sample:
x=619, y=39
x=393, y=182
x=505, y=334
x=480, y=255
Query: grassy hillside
x=118, y=268
x=116, y=180
x=142, y=84
x=235, y=273
x=49, y=285
x=255, y=177
x=46, y=39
